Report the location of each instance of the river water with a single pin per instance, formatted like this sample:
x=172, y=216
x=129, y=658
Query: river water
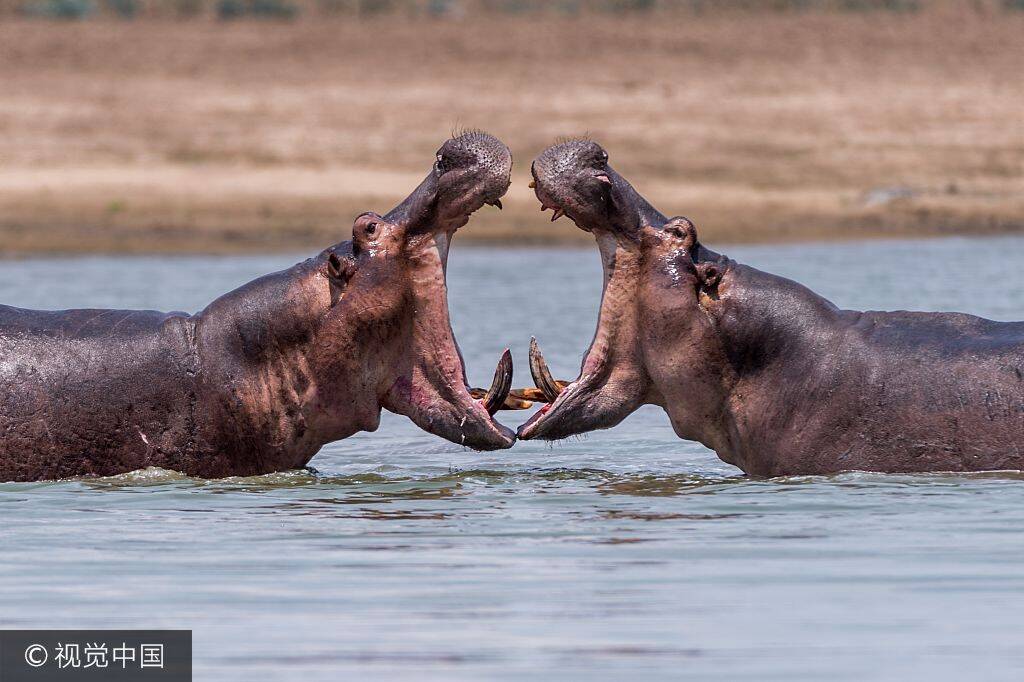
x=624, y=553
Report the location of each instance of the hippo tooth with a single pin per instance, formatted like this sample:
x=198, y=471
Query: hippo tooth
x=558, y=214
x=541, y=374
x=501, y=384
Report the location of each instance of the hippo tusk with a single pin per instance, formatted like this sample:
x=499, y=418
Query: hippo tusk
x=557, y=214
x=541, y=374
x=519, y=398
x=501, y=384
x=496, y=204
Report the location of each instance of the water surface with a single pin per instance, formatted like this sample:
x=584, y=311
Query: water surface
x=627, y=552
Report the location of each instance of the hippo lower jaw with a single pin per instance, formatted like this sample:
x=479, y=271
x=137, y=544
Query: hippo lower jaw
x=605, y=393
x=453, y=414
x=483, y=432
x=598, y=398
x=558, y=393
x=538, y=427
x=477, y=427
x=431, y=389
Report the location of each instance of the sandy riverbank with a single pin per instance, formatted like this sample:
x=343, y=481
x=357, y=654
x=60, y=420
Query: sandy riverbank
x=199, y=136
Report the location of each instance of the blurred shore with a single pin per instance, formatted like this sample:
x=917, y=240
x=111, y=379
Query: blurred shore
x=205, y=136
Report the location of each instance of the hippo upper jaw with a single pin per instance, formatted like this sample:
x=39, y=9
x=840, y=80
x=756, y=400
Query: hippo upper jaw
x=471, y=170
x=574, y=179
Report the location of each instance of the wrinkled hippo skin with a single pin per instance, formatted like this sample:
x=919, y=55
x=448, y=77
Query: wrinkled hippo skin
x=774, y=378
x=267, y=374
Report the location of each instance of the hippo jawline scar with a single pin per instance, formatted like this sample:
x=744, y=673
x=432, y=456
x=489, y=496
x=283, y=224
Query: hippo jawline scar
x=773, y=377
x=267, y=374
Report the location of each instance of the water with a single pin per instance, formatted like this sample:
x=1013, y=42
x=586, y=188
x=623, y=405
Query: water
x=628, y=552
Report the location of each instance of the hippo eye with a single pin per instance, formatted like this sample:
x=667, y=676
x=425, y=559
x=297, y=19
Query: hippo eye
x=603, y=156
x=371, y=228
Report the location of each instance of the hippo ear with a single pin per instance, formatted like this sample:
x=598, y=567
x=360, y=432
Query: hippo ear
x=709, y=274
x=681, y=228
x=339, y=271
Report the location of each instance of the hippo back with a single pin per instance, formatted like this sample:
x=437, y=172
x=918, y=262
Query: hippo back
x=78, y=382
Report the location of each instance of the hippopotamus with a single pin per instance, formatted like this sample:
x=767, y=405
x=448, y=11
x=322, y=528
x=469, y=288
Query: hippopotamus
x=267, y=374
x=771, y=376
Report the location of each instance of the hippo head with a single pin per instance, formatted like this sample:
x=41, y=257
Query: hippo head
x=573, y=178
x=650, y=322
x=389, y=308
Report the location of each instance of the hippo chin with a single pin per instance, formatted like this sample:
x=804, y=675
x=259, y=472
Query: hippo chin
x=776, y=379
x=267, y=374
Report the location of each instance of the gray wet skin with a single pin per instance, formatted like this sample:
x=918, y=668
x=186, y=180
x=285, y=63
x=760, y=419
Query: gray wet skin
x=774, y=378
x=266, y=374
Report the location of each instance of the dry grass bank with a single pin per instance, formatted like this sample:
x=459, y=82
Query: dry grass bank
x=199, y=136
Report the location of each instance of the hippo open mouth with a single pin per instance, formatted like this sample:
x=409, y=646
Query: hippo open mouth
x=573, y=179
x=428, y=383
x=436, y=393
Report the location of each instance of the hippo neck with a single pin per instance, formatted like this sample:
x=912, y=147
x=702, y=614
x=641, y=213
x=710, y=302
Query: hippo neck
x=774, y=334
x=278, y=309
x=261, y=345
x=634, y=214
x=768, y=316
x=647, y=214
